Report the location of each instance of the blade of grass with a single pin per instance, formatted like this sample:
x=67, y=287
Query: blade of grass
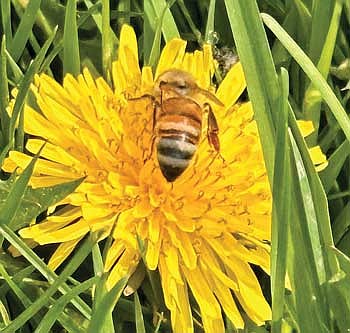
x=19, y=134
x=59, y=45
x=319, y=200
x=40, y=21
x=106, y=306
x=304, y=242
x=107, y=44
x=280, y=55
x=59, y=305
x=71, y=322
x=16, y=277
x=313, y=99
x=71, y=56
x=74, y=263
x=101, y=289
x=169, y=28
x=124, y=7
x=305, y=304
x=35, y=200
x=37, y=262
x=4, y=314
x=210, y=27
x=23, y=31
x=259, y=71
x=157, y=17
x=17, y=73
x=347, y=10
x=303, y=22
x=314, y=232
x=16, y=193
x=4, y=93
x=188, y=18
x=97, y=17
x=15, y=287
x=281, y=209
x=300, y=259
x=22, y=297
x=150, y=39
x=320, y=204
x=326, y=138
x=335, y=164
x=155, y=50
x=311, y=71
x=25, y=84
x=139, y=322
x=341, y=224
x=5, y=6
x=4, y=153
x=320, y=15
x=277, y=5
x=339, y=286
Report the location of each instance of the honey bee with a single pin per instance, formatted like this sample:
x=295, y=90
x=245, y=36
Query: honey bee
x=177, y=121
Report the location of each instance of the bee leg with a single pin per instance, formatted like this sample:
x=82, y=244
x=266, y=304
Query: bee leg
x=156, y=109
x=148, y=157
x=213, y=130
x=149, y=96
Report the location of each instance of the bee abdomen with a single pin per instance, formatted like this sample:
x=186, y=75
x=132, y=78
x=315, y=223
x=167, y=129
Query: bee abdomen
x=174, y=155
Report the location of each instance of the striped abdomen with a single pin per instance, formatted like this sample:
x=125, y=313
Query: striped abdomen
x=178, y=130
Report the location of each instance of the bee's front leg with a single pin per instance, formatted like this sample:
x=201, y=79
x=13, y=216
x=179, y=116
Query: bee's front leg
x=156, y=110
x=213, y=129
x=156, y=106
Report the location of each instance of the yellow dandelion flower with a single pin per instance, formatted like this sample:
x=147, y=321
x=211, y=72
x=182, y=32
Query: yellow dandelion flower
x=201, y=231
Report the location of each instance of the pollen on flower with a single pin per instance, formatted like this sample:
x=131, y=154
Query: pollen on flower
x=201, y=231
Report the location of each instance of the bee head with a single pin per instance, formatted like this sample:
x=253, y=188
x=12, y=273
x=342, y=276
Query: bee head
x=178, y=83
x=175, y=81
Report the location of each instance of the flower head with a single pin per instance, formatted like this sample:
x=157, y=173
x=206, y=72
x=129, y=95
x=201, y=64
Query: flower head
x=201, y=231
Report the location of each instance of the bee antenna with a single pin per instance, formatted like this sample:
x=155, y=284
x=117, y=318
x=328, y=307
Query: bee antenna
x=211, y=96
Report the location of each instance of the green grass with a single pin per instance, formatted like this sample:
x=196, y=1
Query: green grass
x=292, y=56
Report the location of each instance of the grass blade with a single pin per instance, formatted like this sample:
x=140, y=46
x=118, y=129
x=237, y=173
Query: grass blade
x=55, y=311
x=259, y=71
x=281, y=209
x=74, y=263
x=5, y=6
x=140, y=325
x=34, y=201
x=320, y=15
x=28, y=253
x=341, y=224
x=24, y=29
x=335, y=164
x=107, y=45
x=25, y=84
x=209, y=29
x=16, y=193
x=311, y=71
x=106, y=306
x=4, y=94
x=169, y=28
x=312, y=99
x=24, y=299
x=154, y=28
x=101, y=289
x=124, y=7
x=71, y=56
x=310, y=212
x=15, y=73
